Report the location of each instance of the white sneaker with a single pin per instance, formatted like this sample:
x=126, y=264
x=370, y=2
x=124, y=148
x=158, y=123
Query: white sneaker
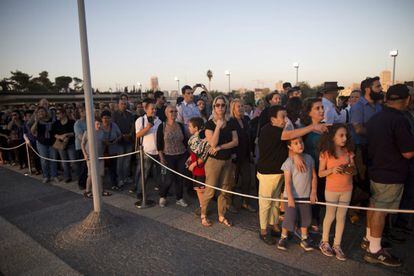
x=182, y=203
x=162, y=202
x=55, y=180
x=46, y=180
x=120, y=183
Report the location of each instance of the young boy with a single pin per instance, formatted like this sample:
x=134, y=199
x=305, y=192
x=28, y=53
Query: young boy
x=298, y=186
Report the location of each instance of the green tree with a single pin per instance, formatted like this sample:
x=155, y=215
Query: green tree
x=248, y=98
x=62, y=83
x=5, y=84
x=20, y=80
x=41, y=83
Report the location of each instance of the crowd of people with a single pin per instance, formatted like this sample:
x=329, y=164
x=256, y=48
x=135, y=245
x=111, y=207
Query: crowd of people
x=354, y=150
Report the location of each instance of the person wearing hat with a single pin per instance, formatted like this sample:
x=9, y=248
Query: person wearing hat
x=294, y=92
x=330, y=93
x=390, y=146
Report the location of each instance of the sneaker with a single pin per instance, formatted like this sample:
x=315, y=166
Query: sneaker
x=326, y=249
x=339, y=254
x=46, y=180
x=365, y=244
x=162, y=202
x=55, y=180
x=305, y=244
x=282, y=244
x=267, y=239
x=121, y=183
x=382, y=257
x=182, y=203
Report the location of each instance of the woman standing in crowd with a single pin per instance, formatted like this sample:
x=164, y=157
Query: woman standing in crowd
x=222, y=137
x=336, y=163
x=313, y=113
x=243, y=152
x=63, y=132
x=203, y=110
x=79, y=129
x=171, y=146
x=112, y=134
x=42, y=131
x=15, y=127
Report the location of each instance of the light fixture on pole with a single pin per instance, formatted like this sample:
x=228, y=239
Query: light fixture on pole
x=227, y=73
x=296, y=66
x=393, y=54
x=178, y=84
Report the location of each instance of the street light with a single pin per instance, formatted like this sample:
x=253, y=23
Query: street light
x=178, y=84
x=393, y=54
x=140, y=89
x=227, y=73
x=296, y=66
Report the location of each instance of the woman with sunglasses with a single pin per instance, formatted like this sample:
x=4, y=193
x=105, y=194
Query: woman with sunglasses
x=221, y=135
x=172, y=150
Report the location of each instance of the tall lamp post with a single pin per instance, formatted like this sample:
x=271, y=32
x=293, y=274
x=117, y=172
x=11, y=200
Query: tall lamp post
x=393, y=54
x=296, y=66
x=178, y=84
x=227, y=73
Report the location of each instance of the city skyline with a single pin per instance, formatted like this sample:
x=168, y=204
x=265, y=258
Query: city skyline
x=130, y=42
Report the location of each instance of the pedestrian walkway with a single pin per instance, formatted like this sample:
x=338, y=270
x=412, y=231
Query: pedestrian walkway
x=151, y=241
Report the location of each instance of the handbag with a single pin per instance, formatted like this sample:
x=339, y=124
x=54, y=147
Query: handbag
x=60, y=144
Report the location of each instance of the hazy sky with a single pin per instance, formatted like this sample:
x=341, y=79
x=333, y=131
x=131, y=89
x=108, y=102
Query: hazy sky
x=258, y=41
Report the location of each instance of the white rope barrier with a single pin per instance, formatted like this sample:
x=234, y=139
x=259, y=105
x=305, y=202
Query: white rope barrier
x=1, y=148
x=285, y=200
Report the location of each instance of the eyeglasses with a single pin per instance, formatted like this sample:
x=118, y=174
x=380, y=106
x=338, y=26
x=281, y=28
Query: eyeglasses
x=220, y=105
x=173, y=111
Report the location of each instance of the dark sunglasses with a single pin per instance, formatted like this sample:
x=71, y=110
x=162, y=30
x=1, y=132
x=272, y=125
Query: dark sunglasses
x=220, y=105
x=173, y=111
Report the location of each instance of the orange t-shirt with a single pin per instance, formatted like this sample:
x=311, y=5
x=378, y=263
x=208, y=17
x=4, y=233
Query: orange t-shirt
x=337, y=182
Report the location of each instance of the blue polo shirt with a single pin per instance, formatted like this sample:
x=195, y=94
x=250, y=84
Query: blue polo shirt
x=361, y=113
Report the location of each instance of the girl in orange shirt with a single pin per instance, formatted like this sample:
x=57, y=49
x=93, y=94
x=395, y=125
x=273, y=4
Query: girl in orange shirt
x=336, y=163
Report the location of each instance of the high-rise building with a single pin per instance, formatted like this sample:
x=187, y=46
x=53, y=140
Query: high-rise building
x=154, y=84
x=385, y=78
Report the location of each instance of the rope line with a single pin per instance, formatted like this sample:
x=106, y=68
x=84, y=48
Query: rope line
x=12, y=148
x=285, y=200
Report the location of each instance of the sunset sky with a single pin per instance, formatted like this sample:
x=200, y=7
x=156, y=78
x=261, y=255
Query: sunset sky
x=130, y=41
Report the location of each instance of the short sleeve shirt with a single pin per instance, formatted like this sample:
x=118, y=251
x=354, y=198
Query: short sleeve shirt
x=149, y=140
x=361, y=112
x=389, y=136
x=337, y=182
x=301, y=182
x=331, y=115
x=79, y=128
x=272, y=150
x=225, y=137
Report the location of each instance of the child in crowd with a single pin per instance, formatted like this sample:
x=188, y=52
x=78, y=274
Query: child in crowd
x=336, y=163
x=298, y=186
x=100, y=151
x=198, y=155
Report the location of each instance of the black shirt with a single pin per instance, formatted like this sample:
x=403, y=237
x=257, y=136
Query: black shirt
x=160, y=113
x=243, y=133
x=389, y=135
x=224, y=138
x=58, y=128
x=272, y=150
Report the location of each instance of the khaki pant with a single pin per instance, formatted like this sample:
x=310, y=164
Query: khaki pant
x=218, y=173
x=270, y=185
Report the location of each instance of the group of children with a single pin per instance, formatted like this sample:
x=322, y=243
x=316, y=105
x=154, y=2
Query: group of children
x=336, y=164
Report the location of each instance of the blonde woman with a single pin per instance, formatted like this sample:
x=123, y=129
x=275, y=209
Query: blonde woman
x=221, y=135
x=243, y=151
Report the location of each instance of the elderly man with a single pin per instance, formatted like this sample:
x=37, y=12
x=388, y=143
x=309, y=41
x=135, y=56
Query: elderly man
x=330, y=93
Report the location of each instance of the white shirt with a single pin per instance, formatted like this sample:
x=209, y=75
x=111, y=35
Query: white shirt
x=149, y=140
x=331, y=116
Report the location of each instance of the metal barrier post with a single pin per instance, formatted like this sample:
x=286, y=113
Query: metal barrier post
x=28, y=158
x=144, y=202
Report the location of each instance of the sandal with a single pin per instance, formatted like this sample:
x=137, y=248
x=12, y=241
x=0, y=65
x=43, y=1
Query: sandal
x=225, y=222
x=116, y=188
x=88, y=195
x=104, y=193
x=206, y=222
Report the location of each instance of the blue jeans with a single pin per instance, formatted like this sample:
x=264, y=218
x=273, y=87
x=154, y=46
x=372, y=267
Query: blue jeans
x=123, y=163
x=148, y=166
x=68, y=154
x=49, y=168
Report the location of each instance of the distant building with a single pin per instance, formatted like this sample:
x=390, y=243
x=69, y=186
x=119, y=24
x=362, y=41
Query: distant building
x=385, y=78
x=154, y=86
x=241, y=90
x=347, y=91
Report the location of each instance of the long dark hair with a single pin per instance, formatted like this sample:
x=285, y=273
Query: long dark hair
x=326, y=143
x=307, y=107
x=294, y=109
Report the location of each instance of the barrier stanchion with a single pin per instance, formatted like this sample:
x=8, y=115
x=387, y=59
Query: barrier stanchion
x=144, y=202
x=27, y=141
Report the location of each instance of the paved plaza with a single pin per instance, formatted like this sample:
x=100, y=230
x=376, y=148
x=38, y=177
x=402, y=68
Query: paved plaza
x=152, y=241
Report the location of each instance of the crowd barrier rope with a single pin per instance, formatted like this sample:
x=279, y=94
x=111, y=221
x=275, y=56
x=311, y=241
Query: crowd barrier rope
x=217, y=188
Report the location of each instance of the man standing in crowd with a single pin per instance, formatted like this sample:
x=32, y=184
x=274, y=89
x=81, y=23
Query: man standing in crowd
x=294, y=92
x=390, y=146
x=79, y=129
x=286, y=86
x=273, y=99
x=160, y=105
x=330, y=93
x=125, y=121
x=273, y=152
x=187, y=109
